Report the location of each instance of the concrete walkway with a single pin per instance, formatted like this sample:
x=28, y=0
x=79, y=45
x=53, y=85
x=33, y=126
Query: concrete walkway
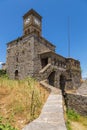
x=51, y=117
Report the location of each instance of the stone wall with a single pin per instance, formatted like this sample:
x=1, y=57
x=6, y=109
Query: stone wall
x=40, y=46
x=20, y=57
x=23, y=56
x=73, y=79
x=73, y=73
x=48, y=70
x=77, y=102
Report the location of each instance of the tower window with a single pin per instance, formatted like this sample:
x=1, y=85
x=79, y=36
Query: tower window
x=16, y=59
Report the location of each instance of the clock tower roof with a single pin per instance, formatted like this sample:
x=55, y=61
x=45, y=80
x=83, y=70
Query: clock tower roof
x=32, y=12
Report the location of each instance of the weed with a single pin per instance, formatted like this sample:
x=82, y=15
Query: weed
x=5, y=126
x=72, y=115
x=68, y=125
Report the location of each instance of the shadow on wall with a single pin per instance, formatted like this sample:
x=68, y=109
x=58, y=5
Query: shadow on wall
x=62, y=83
x=51, y=79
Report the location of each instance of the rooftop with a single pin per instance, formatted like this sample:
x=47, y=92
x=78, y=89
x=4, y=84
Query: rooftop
x=32, y=11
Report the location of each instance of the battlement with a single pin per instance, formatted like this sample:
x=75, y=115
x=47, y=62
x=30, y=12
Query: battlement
x=73, y=64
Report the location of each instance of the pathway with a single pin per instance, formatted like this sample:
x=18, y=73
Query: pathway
x=52, y=116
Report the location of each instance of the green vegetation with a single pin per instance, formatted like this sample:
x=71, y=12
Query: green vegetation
x=74, y=118
x=2, y=73
x=72, y=115
x=6, y=126
x=68, y=125
x=20, y=102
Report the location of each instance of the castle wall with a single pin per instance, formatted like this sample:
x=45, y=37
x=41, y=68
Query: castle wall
x=56, y=64
x=73, y=74
x=39, y=47
x=77, y=102
x=23, y=55
x=20, y=56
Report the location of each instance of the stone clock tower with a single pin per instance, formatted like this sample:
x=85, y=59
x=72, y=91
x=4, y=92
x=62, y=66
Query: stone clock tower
x=32, y=23
x=31, y=55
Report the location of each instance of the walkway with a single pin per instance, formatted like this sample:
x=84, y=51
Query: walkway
x=51, y=117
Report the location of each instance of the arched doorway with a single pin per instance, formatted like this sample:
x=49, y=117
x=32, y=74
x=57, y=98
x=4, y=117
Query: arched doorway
x=51, y=79
x=16, y=74
x=62, y=83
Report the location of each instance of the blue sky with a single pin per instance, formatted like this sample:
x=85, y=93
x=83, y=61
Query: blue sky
x=55, y=20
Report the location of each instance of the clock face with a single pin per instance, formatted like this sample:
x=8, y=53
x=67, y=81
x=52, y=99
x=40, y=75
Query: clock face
x=37, y=21
x=27, y=20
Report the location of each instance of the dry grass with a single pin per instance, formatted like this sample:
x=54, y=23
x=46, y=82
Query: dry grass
x=21, y=101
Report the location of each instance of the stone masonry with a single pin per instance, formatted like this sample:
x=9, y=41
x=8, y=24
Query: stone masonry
x=32, y=55
x=77, y=102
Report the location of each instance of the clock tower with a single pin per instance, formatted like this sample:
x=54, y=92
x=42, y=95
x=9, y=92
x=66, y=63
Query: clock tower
x=32, y=23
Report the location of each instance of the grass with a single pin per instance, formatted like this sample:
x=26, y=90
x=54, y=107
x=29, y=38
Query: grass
x=6, y=126
x=20, y=102
x=75, y=120
x=68, y=125
x=72, y=115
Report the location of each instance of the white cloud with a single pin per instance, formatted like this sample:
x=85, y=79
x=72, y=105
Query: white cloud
x=1, y=63
x=84, y=74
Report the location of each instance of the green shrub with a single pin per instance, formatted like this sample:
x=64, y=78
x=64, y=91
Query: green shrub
x=72, y=115
x=6, y=126
x=3, y=74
